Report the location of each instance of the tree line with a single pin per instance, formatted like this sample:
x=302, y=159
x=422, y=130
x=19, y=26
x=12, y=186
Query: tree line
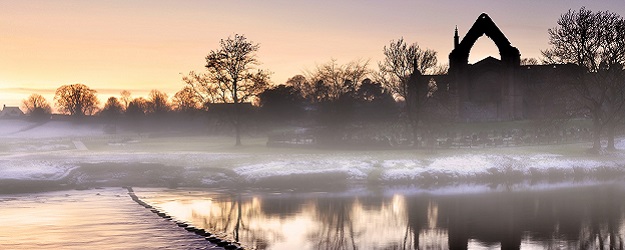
x=340, y=95
x=79, y=100
x=333, y=90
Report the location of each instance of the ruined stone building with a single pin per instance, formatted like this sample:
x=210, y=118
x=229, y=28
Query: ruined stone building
x=492, y=89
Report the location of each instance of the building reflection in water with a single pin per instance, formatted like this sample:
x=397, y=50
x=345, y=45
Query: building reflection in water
x=589, y=217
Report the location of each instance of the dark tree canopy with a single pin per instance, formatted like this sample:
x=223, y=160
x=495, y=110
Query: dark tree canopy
x=374, y=102
x=113, y=108
x=137, y=108
x=281, y=102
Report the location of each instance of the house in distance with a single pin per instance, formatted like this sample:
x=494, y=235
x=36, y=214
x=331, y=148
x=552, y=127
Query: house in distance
x=9, y=112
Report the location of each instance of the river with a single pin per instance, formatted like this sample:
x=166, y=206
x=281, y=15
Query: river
x=559, y=216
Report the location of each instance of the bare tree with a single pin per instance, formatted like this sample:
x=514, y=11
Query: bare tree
x=404, y=65
x=332, y=80
x=37, y=106
x=158, y=103
x=231, y=76
x=439, y=69
x=125, y=98
x=301, y=85
x=186, y=100
x=204, y=89
x=615, y=100
x=419, y=93
x=400, y=60
x=529, y=61
x=595, y=42
x=76, y=100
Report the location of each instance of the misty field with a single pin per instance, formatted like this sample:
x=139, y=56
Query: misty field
x=62, y=155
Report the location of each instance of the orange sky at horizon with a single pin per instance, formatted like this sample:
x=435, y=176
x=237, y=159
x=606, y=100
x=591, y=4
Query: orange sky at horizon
x=142, y=45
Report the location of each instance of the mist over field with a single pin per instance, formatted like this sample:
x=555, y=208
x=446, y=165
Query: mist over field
x=69, y=155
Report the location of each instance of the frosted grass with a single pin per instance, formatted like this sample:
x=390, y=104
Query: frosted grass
x=48, y=152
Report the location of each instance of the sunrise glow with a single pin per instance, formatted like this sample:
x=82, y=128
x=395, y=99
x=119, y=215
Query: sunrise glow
x=143, y=45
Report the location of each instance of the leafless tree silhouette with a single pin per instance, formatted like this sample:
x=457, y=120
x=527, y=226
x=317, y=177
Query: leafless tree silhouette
x=594, y=41
x=37, y=106
x=231, y=76
x=76, y=100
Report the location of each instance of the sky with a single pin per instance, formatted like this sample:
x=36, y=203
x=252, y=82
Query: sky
x=114, y=45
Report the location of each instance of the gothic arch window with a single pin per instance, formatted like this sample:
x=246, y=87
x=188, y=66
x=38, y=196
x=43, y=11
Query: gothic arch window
x=483, y=47
x=459, y=56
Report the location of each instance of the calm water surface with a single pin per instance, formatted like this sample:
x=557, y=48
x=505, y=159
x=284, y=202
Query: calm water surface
x=589, y=216
x=88, y=219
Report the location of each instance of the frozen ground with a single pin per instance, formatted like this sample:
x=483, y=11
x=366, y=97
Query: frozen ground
x=13, y=128
x=66, y=155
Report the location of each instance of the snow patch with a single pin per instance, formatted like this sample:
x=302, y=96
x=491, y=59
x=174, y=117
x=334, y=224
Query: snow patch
x=34, y=170
x=619, y=142
x=456, y=166
x=353, y=168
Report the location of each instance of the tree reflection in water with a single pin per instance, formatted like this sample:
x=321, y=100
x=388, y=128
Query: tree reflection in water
x=589, y=217
x=335, y=218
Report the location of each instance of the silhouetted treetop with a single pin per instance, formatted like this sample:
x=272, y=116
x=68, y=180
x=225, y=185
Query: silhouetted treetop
x=595, y=43
x=158, y=102
x=588, y=39
x=400, y=60
x=186, y=100
x=231, y=76
x=331, y=80
x=76, y=99
x=36, y=105
x=112, y=108
x=137, y=107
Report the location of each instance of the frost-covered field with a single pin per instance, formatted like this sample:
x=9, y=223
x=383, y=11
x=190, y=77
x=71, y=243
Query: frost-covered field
x=73, y=155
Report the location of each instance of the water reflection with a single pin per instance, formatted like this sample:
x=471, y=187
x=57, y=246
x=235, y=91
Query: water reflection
x=583, y=217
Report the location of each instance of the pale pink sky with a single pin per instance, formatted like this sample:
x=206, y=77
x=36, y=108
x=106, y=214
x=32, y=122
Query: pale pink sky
x=113, y=45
